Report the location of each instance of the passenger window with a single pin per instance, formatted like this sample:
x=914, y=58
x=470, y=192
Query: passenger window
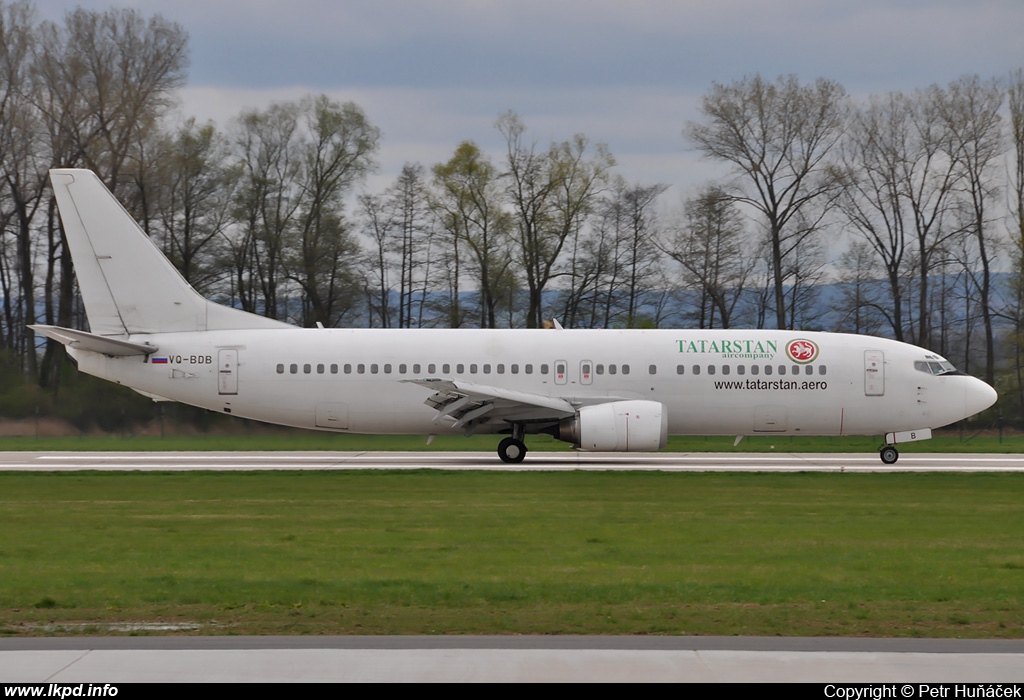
x=754, y=369
x=280, y=369
x=501, y=369
x=374, y=369
x=334, y=369
x=599, y=369
x=348, y=369
x=460, y=369
x=808, y=370
x=741, y=369
x=652, y=369
x=612, y=369
x=726, y=369
x=307, y=369
x=529, y=369
x=472, y=368
x=402, y=368
x=487, y=369
x=543, y=369
x=696, y=369
x=320, y=369
x=515, y=369
x=294, y=369
x=680, y=369
x=387, y=369
x=361, y=369
x=711, y=369
x=782, y=369
x=416, y=369
x=821, y=370
x=768, y=370
x=625, y=369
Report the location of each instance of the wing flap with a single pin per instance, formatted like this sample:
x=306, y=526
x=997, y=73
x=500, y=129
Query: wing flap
x=470, y=405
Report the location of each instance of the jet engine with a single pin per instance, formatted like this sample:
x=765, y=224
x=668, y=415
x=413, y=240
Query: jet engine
x=617, y=426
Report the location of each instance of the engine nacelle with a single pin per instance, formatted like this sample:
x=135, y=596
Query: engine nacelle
x=617, y=426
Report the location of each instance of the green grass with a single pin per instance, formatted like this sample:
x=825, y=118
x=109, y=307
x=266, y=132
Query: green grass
x=424, y=552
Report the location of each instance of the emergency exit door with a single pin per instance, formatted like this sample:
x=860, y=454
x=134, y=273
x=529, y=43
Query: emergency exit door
x=227, y=372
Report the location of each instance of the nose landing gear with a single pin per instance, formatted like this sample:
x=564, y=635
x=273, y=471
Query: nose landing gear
x=889, y=454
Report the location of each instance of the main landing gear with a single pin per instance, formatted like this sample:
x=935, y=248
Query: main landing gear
x=512, y=450
x=889, y=454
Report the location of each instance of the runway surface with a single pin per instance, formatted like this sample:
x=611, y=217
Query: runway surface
x=506, y=659
x=665, y=461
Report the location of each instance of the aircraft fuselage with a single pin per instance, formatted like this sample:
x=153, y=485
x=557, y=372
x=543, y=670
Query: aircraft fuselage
x=740, y=382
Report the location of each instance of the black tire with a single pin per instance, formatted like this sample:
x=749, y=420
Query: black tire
x=511, y=451
x=889, y=454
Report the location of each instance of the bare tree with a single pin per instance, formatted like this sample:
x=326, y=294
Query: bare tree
x=873, y=200
x=928, y=181
x=779, y=139
x=468, y=205
x=552, y=194
x=969, y=110
x=267, y=203
x=335, y=152
x=23, y=166
x=709, y=244
x=116, y=70
x=193, y=202
x=409, y=201
x=377, y=225
x=1015, y=99
x=860, y=307
x=99, y=81
x=633, y=207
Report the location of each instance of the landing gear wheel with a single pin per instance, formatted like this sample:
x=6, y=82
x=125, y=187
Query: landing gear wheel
x=889, y=454
x=511, y=451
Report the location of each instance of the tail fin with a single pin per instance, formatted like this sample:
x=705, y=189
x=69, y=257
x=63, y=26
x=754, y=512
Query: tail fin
x=128, y=286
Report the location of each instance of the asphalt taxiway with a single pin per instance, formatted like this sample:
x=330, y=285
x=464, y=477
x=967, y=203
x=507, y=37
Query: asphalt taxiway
x=101, y=660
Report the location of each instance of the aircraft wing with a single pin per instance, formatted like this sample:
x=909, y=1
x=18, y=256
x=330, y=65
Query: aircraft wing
x=469, y=405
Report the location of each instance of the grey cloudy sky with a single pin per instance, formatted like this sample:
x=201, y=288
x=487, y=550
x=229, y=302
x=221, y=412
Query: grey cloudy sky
x=431, y=73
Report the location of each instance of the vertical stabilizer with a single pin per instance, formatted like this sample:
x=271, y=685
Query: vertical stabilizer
x=127, y=284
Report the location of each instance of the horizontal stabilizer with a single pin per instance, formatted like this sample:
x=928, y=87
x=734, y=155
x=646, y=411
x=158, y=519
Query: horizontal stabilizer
x=80, y=340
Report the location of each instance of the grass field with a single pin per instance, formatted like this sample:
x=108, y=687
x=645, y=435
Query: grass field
x=423, y=552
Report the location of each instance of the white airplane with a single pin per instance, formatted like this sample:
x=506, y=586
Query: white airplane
x=601, y=390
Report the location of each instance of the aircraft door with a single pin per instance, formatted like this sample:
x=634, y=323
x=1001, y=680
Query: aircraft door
x=874, y=373
x=227, y=372
x=586, y=372
x=561, y=372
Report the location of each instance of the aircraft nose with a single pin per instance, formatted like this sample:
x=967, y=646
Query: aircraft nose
x=978, y=396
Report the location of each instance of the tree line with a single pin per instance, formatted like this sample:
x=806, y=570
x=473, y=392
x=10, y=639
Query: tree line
x=909, y=204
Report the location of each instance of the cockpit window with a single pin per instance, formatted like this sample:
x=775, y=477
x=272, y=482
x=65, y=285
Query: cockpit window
x=934, y=367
